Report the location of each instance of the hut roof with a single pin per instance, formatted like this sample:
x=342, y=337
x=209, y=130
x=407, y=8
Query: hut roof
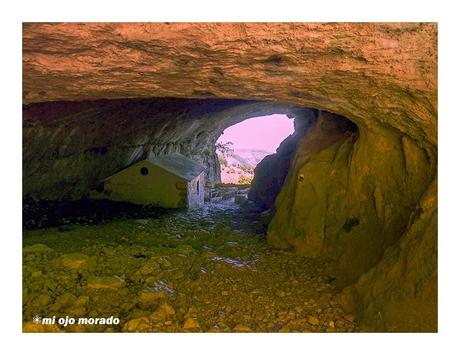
x=175, y=163
x=179, y=165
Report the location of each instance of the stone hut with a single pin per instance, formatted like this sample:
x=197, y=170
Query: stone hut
x=171, y=181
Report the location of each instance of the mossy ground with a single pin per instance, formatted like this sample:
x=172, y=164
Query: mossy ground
x=204, y=270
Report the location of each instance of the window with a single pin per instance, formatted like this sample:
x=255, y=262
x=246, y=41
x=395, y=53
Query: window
x=144, y=170
x=198, y=187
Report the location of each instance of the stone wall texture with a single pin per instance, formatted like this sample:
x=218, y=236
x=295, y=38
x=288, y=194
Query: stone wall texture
x=361, y=191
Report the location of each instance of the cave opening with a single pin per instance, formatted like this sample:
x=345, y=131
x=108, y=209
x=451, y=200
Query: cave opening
x=241, y=147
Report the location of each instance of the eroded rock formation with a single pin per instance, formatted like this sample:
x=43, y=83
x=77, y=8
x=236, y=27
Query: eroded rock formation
x=363, y=193
x=351, y=195
x=270, y=173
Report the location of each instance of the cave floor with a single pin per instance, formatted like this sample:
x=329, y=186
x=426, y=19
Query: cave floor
x=208, y=270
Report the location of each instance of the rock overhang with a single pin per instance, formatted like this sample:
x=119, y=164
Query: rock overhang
x=372, y=73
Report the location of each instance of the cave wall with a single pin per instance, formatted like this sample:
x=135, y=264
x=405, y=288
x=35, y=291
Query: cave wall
x=401, y=292
x=358, y=197
x=342, y=201
x=270, y=173
x=375, y=209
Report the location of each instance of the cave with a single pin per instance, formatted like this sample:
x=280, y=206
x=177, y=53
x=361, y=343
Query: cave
x=343, y=216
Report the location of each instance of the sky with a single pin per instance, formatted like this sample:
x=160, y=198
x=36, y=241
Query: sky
x=264, y=132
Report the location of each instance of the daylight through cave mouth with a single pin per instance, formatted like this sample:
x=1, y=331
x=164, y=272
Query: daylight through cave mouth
x=242, y=146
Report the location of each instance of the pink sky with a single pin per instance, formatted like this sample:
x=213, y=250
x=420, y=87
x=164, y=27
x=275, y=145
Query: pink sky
x=264, y=132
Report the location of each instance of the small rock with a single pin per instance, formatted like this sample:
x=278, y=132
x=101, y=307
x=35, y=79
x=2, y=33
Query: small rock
x=280, y=293
x=74, y=260
x=165, y=263
x=312, y=320
x=37, y=248
x=81, y=301
x=137, y=325
x=240, y=328
x=76, y=311
x=163, y=312
x=30, y=327
x=104, y=282
x=149, y=269
x=167, y=309
x=191, y=324
x=150, y=281
x=284, y=329
x=65, y=300
x=148, y=297
x=138, y=313
x=43, y=300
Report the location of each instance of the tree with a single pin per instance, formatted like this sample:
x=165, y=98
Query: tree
x=224, y=148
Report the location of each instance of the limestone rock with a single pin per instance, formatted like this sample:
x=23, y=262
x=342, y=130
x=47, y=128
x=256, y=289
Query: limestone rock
x=280, y=293
x=191, y=324
x=104, y=282
x=149, y=297
x=149, y=269
x=240, y=328
x=76, y=311
x=65, y=300
x=379, y=298
x=167, y=309
x=270, y=173
x=349, y=318
x=81, y=301
x=312, y=320
x=141, y=324
x=74, y=260
x=43, y=299
x=37, y=248
x=30, y=327
x=163, y=312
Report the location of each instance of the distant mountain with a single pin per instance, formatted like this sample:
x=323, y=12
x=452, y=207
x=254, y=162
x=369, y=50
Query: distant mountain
x=247, y=157
x=237, y=166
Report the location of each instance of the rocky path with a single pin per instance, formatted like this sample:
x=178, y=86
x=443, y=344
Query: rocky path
x=208, y=270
